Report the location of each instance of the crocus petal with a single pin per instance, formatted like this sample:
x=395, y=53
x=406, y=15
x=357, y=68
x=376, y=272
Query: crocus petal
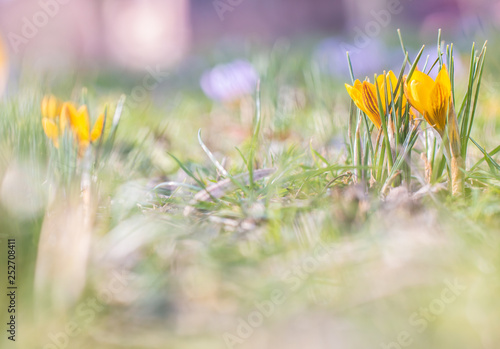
x=358, y=85
x=370, y=103
x=431, y=98
x=97, y=129
x=393, y=79
x=51, y=107
x=83, y=114
x=421, y=77
x=421, y=86
x=355, y=95
x=439, y=107
x=418, y=90
x=382, y=90
x=81, y=125
x=69, y=112
x=380, y=80
x=386, y=84
x=51, y=130
x=392, y=82
x=444, y=79
x=78, y=119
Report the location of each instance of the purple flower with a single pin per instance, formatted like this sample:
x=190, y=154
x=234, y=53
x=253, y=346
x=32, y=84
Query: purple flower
x=229, y=82
x=430, y=56
x=330, y=55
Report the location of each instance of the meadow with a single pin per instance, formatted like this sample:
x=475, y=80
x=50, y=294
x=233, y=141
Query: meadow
x=292, y=216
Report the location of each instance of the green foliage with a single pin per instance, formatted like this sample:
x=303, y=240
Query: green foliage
x=211, y=222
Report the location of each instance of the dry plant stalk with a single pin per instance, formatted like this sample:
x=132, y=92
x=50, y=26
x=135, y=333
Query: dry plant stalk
x=428, y=168
x=63, y=251
x=64, y=248
x=457, y=163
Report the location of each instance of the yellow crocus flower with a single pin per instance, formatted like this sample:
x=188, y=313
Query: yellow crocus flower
x=56, y=116
x=4, y=66
x=364, y=95
x=96, y=132
x=51, y=129
x=80, y=124
x=52, y=121
x=51, y=107
x=431, y=97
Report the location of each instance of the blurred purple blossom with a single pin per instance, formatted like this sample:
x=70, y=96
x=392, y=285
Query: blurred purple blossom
x=429, y=57
x=330, y=55
x=229, y=82
x=373, y=58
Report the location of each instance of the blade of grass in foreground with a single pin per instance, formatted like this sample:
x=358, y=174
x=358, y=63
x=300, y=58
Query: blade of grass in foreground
x=480, y=63
x=255, y=136
x=469, y=104
x=187, y=171
x=491, y=162
x=408, y=144
x=217, y=164
x=491, y=153
x=383, y=114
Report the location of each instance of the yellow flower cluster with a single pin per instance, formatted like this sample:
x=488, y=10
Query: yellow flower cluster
x=57, y=116
x=430, y=97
